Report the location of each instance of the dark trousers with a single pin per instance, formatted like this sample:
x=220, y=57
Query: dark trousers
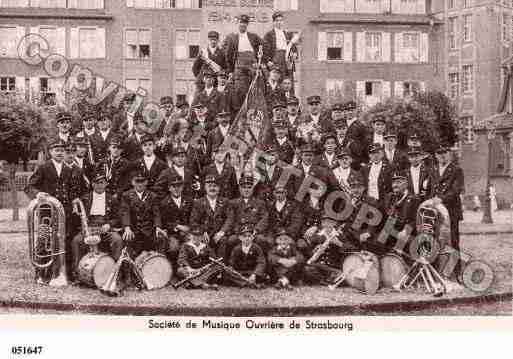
x=293, y=274
x=227, y=244
x=111, y=243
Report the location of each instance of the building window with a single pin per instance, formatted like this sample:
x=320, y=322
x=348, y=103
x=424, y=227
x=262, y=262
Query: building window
x=411, y=47
x=7, y=85
x=410, y=88
x=138, y=43
x=335, y=5
x=132, y=84
x=334, y=89
x=187, y=44
x=335, y=48
x=467, y=27
x=500, y=155
x=47, y=93
x=8, y=41
x=452, y=32
x=70, y=4
x=91, y=43
x=467, y=79
x=467, y=129
x=450, y=4
x=373, y=46
x=467, y=3
x=453, y=85
x=165, y=4
x=285, y=5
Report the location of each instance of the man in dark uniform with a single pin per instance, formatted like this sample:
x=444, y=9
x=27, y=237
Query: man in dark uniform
x=284, y=213
x=394, y=156
x=275, y=45
x=210, y=96
x=64, y=126
x=420, y=176
x=133, y=145
x=449, y=185
x=214, y=53
x=81, y=158
x=149, y=164
x=314, y=123
x=100, y=140
x=328, y=158
x=88, y=124
x=140, y=216
x=79, y=182
x=175, y=211
x=292, y=118
x=117, y=169
x=273, y=91
x=378, y=175
x=217, y=135
x=167, y=111
x=241, y=50
x=269, y=174
x=54, y=178
x=224, y=172
x=101, y=209
x=356, y=131
x=214, y=215
x=285, y=146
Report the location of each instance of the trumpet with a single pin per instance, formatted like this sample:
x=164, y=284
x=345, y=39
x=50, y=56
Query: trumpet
x=89, y=239
x=201, y=276
x=46, y=222
x=331, y=238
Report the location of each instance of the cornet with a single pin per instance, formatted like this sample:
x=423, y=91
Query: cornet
x=46, y=236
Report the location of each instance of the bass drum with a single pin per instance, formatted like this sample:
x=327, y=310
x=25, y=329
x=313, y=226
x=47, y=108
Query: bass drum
x=393, y=268
x=95, y=268
x=155, y=268
x=362, y=271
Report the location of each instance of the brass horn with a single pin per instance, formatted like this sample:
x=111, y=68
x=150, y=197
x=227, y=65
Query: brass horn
x=46, y=222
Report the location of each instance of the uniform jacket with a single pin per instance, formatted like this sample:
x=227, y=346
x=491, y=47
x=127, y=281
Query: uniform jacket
x=173, y=215
x=312, y=215
x=214, y=138
x=286, y=151
x=449, y=187
x=141, y=216
x=214, y=103
x=111, y=208
x=290, y=218
x=253, y=212
x=118, y=175
x=79, y=183
x=153, y=173
x=384, y=179
x=220, y=220
x=320, y=173
x=187, y=256
x=161, y=186
x=253, y=261
x=45, y=179
x=100, y=146
x=231, y=47
x=322, y=160
x=359, y=133
x=425, y=184
x=399, y=161
x=265, y=187
x=228, y=187
x=404, y=210
x=132, y=148
x=275, y=254
x=270, y=44
x=200, y=66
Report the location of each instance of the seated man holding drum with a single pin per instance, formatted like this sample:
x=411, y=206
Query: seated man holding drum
x=101, y=209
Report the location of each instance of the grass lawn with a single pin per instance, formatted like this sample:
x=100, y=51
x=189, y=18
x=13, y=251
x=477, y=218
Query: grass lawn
x=16, y=284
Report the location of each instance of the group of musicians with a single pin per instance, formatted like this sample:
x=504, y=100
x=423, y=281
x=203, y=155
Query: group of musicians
x=193, y=199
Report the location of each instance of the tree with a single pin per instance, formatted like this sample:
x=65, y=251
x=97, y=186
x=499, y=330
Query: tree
x=23, y=129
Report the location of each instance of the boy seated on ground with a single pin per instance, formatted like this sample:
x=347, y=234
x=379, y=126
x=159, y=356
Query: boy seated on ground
x=193, y=257
x=324, y=266
x=248, y=259
x=285, y=261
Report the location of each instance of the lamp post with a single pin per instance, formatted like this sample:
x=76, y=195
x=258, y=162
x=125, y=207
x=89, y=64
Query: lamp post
x=487, y=210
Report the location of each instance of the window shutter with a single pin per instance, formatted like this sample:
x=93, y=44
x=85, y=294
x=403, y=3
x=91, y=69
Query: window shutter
x=20, y=86
x=424, y=47
x=34, y=88
x=129, y=3
x=73, y=42
x=398, y=89
x=360, y=91
x=385, y=43
x=398, y=48
x=100, y=35
x=322, y=52
x=348, y=46
x=60, y=47
x=360, y=46
x=385, y=90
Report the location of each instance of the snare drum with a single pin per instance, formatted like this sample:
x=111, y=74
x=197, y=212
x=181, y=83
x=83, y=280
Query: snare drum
x=95, y=268
x=362, y=271
x=155, y=268
x=393, y=268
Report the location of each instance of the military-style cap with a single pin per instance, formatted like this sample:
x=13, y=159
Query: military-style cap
x=313, y=99
x=139, y=176
x=222, y=74
x=399, y=176
x=197, y=231
x=247, y=228
x=293, y=100
x=414, y=137
x=276, y=15
x=275, y=68
x=375, y=147
x=147, y=138
x=63, y=116
x=355, y=179
x=180, y=102
x=176, y=150
x=337, y=107
x=341, y=123
x=80, y=141
x=280, y=124
x=138, y=117
x=350, y=106
x=344, y=152
x=443, y=148
x=271, y=148
x=211, y=178
x=247, y=180
x=174, y=180
x=414, y=150
x=390, y=134
x=115, y=141
x=199, y=104
x=327, y=135
x=307, y=147
x=223, y=113
x=213, y=35
x=166, y=100
x=379, y=117
x=99, y=176
x=90, y=116
x=209, y=73
x=279, y=104
x=57, y=142
x=244, y=18
x=280, y=187
x=129, y=97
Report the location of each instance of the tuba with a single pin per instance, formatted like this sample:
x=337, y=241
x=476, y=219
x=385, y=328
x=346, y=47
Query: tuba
x=46, y=222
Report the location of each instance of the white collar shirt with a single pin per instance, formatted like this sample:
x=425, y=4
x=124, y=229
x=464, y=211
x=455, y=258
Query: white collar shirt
x=280, y=204
x=212, y=203
x=281, y=40
x=148, y=161
x=180, y=171
x=177, y=200
x=415, y=176
x=373, y=190
x=58, y=167
x=98, y=205
x=244, y=43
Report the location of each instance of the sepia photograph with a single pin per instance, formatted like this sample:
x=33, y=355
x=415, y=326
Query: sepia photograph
x=240, y=165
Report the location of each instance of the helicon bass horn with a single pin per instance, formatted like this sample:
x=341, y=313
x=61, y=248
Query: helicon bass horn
x=46, y=236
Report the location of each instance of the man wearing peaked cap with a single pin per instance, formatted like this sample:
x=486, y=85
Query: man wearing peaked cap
x=210, y=96
x=223, y=170
x=63, y=120
x=150, y=164
x=327, y=158
x=356, y=133
x=100, y=139
x=420, y=176
x=313, y=123
x=213, y=53
x=89, y=119
x=217, y=135
x=395, y=157
x=378, y=174
x=343, y=171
